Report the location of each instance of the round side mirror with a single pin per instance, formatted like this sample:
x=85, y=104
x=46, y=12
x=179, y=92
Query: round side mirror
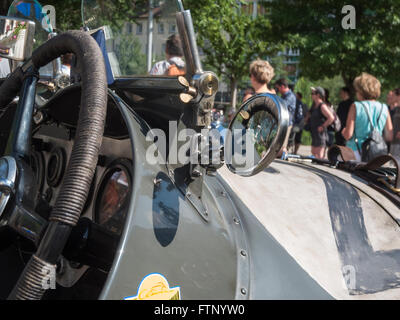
x=256, y=134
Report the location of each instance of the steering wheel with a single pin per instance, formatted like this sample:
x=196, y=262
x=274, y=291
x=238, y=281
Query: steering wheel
x=17, y=183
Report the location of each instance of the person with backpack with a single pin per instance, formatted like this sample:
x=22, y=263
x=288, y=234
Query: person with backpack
x=321, y=117
x=173, y=65
x=367, y=119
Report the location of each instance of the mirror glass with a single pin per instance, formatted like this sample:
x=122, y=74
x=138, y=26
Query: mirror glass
x=256, y=134
x=16, y=38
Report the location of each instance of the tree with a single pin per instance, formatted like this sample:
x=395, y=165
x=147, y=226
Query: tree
x=317, y=28
x=279, y=67
x=229, y=37
x=68, y=14
x=130, y=57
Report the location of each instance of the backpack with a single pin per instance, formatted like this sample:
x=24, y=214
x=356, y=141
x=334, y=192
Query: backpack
x=173, y=70
x=298, y=115
x=336, y=125
x=374, y=145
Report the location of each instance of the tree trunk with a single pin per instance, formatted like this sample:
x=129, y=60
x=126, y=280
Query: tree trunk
x=233, y=92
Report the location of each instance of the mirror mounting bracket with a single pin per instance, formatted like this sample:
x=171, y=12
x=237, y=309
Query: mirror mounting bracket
x=207, y=153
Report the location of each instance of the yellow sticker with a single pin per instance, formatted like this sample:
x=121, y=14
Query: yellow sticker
x=155, y=287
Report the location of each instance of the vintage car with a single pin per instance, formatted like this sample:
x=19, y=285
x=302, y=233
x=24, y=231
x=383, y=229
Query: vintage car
x=112, y=186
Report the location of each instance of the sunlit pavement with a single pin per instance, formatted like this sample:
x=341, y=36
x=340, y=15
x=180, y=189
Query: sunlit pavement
x=304, y=150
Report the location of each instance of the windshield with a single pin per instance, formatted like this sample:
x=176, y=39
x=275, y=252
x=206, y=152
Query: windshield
x=127, y=34
x=130, y=48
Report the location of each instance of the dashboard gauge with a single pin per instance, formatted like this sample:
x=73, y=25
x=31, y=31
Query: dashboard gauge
x=55, y=167
x=38, y=168
x=112, y=196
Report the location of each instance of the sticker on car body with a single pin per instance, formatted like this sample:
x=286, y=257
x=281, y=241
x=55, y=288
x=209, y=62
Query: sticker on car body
x=155, y=287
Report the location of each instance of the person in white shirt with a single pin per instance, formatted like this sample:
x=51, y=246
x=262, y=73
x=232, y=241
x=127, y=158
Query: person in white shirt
x=173, y=64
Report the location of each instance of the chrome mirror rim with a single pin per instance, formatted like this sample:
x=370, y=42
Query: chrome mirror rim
x=282, y=115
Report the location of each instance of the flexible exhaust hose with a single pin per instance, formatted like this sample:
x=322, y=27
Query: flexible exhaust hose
x=10, y=87
x=83, y=160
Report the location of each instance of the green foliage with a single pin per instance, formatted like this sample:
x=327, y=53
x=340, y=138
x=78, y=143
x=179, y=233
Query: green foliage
x=68, y=13
x=279, y=67
x=130, y=57
x=306, y=138
x=327, y=50
x=303, y=86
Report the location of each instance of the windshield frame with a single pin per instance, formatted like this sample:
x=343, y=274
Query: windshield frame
x=184, y=28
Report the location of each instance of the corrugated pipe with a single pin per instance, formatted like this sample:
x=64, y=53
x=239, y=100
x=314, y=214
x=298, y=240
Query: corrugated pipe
x=83, y=160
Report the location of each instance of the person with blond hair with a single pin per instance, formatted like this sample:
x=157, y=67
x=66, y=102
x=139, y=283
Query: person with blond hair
x=366, y=114
x=261, y=73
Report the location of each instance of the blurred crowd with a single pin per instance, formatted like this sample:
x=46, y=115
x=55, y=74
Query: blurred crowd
x=360, y=121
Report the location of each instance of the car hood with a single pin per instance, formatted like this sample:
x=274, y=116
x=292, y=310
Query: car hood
x=344, y=234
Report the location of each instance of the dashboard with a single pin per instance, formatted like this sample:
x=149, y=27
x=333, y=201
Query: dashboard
x=108, y=198
x=109, y=195
x=52, y=143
